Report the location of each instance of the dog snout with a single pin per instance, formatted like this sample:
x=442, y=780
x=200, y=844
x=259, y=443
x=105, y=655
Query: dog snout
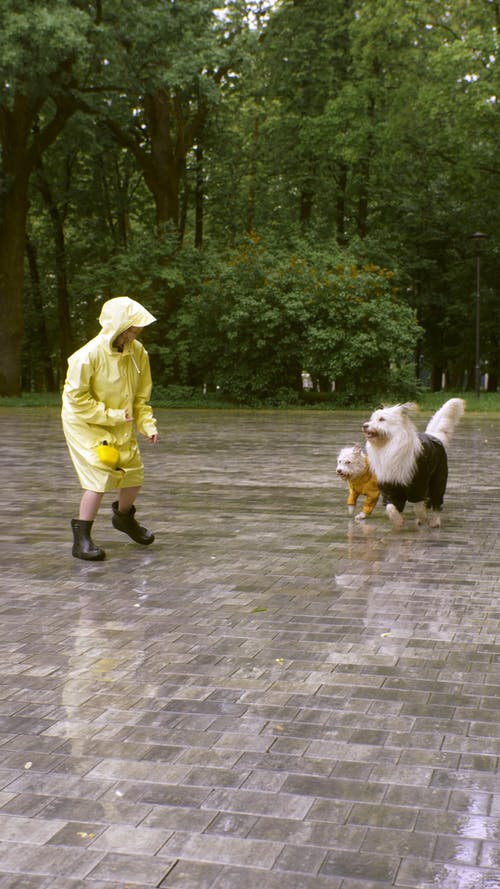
x=365, y=427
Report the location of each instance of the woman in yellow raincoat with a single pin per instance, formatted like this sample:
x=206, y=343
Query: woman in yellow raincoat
x=106, y=393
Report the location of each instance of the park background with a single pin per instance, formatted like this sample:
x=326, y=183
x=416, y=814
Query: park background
x=288, y=186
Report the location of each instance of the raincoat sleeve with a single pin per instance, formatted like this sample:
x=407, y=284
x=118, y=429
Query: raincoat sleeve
x=143, y=412
x=79, y=395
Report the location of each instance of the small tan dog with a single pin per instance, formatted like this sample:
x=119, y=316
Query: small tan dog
x=353, y=467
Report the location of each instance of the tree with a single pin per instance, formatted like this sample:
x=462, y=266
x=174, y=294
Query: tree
x=277, y=313
x=43, y=46
x=305, y=57
x=191, y=122
x=147, y=70
x=169, y=60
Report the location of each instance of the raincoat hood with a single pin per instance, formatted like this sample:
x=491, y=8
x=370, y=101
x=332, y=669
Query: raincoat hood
x=120, y=313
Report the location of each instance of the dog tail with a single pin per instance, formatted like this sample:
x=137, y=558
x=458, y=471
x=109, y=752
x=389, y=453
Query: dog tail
x=443, y=423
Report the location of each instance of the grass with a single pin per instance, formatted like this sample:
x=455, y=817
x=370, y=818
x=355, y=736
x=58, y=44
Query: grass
x=487, y=402
x=31, y=399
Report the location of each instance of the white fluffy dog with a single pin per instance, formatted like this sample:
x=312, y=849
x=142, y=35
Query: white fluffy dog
x=409, y=465
x=353, y=467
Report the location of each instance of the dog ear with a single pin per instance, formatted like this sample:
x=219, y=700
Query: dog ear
x=409, y=407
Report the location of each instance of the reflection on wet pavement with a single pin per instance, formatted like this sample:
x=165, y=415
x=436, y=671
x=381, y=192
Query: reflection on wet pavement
x=272, y=694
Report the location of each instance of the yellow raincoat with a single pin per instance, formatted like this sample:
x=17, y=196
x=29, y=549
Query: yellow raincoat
x=104, y=385
x=366, y=484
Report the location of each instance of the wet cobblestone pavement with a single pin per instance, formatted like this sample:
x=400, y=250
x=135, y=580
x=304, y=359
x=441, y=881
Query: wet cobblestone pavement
x=271, y=695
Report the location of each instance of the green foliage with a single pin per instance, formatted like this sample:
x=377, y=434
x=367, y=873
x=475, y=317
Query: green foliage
x=359, y=139
x=37, y=39
x=263, y=315
x=361, y=333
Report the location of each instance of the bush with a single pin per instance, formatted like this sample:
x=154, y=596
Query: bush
x=261, y=316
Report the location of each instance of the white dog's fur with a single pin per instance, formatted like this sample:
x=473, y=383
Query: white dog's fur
x=353, y=467
x=396, y=452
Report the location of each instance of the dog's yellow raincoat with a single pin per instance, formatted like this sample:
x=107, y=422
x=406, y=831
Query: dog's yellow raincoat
x=366, y=484
x=103, y=386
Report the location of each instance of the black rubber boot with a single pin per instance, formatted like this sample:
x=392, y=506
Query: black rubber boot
x=125, y=521
x=83, y=545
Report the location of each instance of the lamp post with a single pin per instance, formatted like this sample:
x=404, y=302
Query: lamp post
x=477, y=237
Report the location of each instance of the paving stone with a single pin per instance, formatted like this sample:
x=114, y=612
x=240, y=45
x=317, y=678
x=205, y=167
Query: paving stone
x=300, y=859
x=145, y=869
x=118, y=811
x=391, y=817
x=258, y=803
x=458, y=850
x=272, y=695
x=223, y=850
x=331, y=788
x=246, y=878
x=376, y=867
x=312, y=833
x=75, y=833
x=47, y=860
x=19, y=881
x=417, y=873
x=469, y=825
x=14, y=829
x=215, y=777
x=178, y=818
x=131, y=841
x=25, y=804
x=405, y=843
x=191, y=875
x=228, y=824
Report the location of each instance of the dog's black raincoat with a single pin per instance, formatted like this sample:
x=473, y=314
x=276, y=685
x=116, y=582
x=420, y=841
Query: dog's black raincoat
x=429, y=479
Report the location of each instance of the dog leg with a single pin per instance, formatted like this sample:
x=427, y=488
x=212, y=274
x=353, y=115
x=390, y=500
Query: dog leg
x=360, y=517
x=420, y=510
x=435, y=519
x=395, y=516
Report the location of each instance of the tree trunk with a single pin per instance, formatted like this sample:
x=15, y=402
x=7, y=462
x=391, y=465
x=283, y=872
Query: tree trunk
x=66, y=339
x=13, y=213
x=363, y=200
x=184, y=209
x=341, y=205
x=306, y=204
x=171, y=133
x=436, y=378
x=22, y=144
x=15, y=170
x=493, y=381
x=41, y=360
x=199, y=196
x=252, y=172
